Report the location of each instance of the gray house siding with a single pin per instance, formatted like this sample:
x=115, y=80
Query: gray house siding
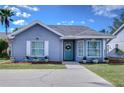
x=19, y=43
x=77, y=58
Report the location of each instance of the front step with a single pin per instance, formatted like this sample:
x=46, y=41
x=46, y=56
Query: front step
x=70, y=63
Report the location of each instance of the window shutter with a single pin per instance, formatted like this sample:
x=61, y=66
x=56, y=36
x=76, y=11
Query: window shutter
x=28, y=48
x=46, y=48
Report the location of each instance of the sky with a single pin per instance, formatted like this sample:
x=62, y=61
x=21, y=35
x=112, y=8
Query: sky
x=95, y=17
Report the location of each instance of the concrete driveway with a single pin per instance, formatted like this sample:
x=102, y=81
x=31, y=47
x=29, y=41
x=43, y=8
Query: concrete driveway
x=75, y=76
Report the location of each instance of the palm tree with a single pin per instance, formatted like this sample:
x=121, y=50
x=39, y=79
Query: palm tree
x=5, y=18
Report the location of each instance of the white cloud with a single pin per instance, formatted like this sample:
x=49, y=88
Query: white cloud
x=29, y=7
x=106, y=10
x=71, y=22
x=11, y=29
x=18, y=12
x=91, y=20
x=66, y=22
x=82, y=22
x=15, y=9
x=23, y=14
x=58, y=23
x=6, y=6
x=20, y=22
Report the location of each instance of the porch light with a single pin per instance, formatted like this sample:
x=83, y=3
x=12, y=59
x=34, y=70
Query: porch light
x=37, y=38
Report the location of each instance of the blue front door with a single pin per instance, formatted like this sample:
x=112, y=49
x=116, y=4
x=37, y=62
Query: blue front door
x=68, y=50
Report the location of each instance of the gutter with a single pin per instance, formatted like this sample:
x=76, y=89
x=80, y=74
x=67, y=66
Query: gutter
x=86, y=37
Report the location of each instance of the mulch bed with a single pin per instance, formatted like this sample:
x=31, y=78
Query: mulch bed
x=116, y=61
x=50, y=62
x=16, y=63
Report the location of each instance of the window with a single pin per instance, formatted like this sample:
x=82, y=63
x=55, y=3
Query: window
x=37, y=48
x=80, y=48
x=93, y=48
x=116, y=45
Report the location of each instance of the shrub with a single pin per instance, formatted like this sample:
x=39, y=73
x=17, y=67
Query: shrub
x=106, y=58
x=4, y=55
x=84, y=58
x=119, y=52
x=3, y=48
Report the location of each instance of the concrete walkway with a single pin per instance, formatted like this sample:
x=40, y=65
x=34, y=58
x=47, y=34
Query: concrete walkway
x=89, y=78
x=75, y=76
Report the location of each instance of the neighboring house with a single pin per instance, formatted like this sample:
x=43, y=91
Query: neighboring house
x=58, y=42
x=117, y=42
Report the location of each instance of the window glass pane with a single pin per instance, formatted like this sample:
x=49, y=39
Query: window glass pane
x=33, y=51
x=80, y=48
x=33, y=44
x=41, y=52
x=93, y=48
x=37, y=44
x=37, y=48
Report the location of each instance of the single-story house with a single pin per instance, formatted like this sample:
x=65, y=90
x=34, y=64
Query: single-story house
x=58, y=42
x=117, y=42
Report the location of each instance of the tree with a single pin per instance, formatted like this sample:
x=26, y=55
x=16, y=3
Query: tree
x=104, y=31
x=3, y=48
x=117, y=22
x=5, y=18
x=16, y=29
x=3, y=45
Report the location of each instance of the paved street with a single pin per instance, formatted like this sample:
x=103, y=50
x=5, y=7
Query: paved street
x=75, y=76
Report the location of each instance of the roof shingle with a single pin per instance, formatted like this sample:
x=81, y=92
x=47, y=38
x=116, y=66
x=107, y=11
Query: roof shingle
x=71, y=30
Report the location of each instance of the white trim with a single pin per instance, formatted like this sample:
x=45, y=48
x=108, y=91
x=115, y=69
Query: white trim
x=118, y=29
x=11, y=48
x=87, y=49
x=11, y=36
x=46, y=48
x=104, y=49
x=62, y=50
x=77, y=47
x=28, y=48
x=82, y=37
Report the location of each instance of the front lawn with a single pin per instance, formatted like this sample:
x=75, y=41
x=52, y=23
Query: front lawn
x=28, y=66
x=4, y=60
x=112, y=73
x=32, y=66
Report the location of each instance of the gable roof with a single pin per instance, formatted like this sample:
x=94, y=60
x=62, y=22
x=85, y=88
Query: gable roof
x=72, y=31
x=67, y=31
x=119, y=29
x=12, y=35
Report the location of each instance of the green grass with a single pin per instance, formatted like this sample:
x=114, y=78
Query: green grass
x=4, y=60
x=32, y=66
x=112, y=73
x=29, y=66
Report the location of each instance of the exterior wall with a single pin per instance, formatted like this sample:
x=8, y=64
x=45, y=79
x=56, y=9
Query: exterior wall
x=103, y=52
x=18, y=44
x=118, y=40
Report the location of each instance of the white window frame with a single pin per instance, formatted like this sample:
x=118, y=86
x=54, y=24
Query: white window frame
x=100, y=49
x=82, y=41
x=38, y=48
